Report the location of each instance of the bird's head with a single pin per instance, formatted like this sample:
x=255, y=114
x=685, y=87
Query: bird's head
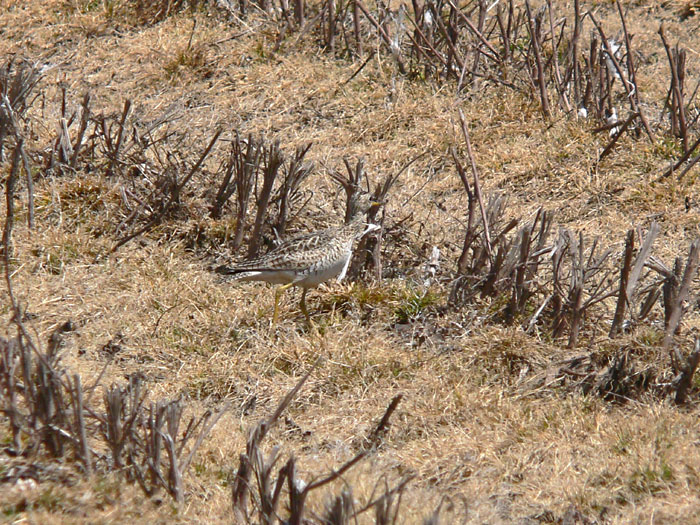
x=364, y=202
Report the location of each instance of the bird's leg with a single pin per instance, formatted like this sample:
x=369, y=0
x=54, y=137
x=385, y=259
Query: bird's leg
x=310, y=323
x=303, y=307
x=278, y=293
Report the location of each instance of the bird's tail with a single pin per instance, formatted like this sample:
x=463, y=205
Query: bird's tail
x=226, y=270
x=235, y=273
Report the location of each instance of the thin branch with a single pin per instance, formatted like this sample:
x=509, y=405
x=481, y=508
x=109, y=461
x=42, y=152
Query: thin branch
x=477, y=184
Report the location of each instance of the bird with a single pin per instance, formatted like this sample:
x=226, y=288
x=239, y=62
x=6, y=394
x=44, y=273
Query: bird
x=306, y=260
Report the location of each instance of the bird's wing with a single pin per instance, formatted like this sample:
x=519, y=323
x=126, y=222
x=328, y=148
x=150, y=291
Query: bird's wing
x=296, y=253
x=305, y=241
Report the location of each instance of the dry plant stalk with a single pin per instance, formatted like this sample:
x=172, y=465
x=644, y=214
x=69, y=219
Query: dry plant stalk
x=166, y=196
x=676, y=61
x=477, y=185
x=631, y=89
x=17, y=81
x=368, y=253
x=48, y=409
x=588, y=280
x=630, y=274
x=685, y=378
x=536, y=50
x=252, y=463
x=241, y=485
x=470, y=231
x=485, y=272
x=530, y=246
x=246, y=171
x=114, y=144
x=621, y=130
x=246, y=161
x=44, y=413
x=681, y=160
x=122, y=408
x=676, y=293
x=14, y=91
x=273, y=158
x=352, y=185
x=296, y=172
x=144, y=437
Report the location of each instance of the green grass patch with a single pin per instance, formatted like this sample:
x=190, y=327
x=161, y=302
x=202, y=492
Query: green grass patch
x=413, y=304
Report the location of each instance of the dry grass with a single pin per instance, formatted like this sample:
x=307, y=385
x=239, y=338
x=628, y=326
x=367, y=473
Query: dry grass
x=467, y=428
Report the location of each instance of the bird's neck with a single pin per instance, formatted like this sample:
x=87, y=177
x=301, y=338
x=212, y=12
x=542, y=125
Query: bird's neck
x=356, y=226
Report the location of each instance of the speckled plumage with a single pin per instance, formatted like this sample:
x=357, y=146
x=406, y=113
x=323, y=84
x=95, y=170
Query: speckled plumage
x=305, y=261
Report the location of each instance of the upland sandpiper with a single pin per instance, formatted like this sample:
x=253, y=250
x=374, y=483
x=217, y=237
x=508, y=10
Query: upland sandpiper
x=305, y=261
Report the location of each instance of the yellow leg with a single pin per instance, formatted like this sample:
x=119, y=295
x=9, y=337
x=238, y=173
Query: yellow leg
x=278, y=293
x=311, y=325
x=303, y=307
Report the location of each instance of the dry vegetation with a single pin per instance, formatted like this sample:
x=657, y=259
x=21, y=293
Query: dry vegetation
x=536, y=370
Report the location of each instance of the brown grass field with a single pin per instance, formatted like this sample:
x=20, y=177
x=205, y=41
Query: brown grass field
x=487, y=427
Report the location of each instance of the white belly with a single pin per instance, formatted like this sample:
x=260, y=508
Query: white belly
x=325, y=273
x=278, y=277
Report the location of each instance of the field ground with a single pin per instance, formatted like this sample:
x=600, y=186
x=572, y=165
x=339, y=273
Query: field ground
x=476, y=429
